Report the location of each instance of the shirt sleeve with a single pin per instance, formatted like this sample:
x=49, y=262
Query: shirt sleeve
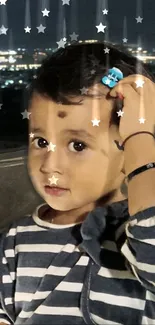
x=7, y=283
x=139, y=247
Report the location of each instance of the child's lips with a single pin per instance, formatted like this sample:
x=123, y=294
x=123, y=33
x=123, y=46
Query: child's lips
x=56, y=191
x=56, y=187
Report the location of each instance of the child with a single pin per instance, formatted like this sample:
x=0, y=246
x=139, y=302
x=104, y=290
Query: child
x=83, y=258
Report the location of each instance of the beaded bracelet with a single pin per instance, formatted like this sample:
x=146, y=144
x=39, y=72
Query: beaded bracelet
x=140, y=170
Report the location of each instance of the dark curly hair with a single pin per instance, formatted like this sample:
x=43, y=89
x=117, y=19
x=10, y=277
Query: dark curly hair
x=66, y=71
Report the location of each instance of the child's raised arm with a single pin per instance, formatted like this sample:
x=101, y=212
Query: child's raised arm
x=139, y=157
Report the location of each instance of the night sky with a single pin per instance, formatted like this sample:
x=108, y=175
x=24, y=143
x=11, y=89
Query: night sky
x=14, y=17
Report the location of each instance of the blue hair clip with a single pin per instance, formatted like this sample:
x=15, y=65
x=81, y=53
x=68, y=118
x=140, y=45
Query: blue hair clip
x=114, y=76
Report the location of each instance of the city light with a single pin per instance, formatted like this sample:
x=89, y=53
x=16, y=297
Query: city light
x=24, y=61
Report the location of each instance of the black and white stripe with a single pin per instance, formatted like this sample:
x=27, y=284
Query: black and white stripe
x=43, y=271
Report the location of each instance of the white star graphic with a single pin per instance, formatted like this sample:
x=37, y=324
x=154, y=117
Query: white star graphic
x=95, y=122
x=105, y=12
x=3, y=2
x=107, y=82
x=3, y=30
x=61, y=43
x=106, y=50
x=101, y=28
x=142, y=120
x=53, y=180
x=93, y=71
x=41, y=29
x=139, y=19
x=66, y=2
x=84, y=91
x=74, y=37
x=139, y=83
x=120, y=113
x=26, y=114
x=27, y=29
x=125, y=40
x=31, y=135
x=45, y=13
x=51, y=147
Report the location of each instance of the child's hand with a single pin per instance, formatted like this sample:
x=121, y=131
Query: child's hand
x=139, y=103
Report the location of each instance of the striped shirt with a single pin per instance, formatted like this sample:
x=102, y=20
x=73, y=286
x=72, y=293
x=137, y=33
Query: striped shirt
x=99, y=272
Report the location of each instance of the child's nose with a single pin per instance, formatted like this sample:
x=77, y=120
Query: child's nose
x=52, y=163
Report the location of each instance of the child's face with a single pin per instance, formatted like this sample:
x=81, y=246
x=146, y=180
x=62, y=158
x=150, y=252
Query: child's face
x=89, y=173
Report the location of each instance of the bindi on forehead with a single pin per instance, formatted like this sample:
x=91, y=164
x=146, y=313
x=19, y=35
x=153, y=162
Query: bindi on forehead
x=62, y=114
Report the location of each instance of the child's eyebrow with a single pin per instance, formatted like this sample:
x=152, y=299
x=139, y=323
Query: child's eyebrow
x=80, y=132
x=72, y=132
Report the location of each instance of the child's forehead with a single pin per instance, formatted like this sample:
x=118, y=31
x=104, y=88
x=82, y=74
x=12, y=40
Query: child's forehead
x=62, y=114
x=81, y=105
x=77, y=117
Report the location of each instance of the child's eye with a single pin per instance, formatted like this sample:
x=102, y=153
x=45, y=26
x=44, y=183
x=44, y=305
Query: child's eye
x=77, y=144
x=42, y=143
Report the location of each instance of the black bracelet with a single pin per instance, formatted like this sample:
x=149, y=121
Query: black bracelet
x=130, y=136
x=140, y=170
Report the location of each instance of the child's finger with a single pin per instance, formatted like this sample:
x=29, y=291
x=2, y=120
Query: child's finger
x=122, y=91
x=133, y=78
